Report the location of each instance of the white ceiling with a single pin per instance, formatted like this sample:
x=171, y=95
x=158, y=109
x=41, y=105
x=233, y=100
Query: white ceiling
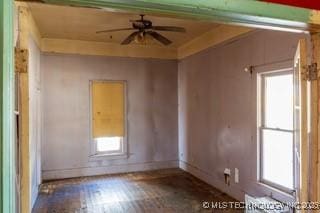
x=62, y=22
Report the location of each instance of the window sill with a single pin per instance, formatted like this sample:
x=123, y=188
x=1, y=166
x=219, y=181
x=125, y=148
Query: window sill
x=103, y=156
x=274, y=189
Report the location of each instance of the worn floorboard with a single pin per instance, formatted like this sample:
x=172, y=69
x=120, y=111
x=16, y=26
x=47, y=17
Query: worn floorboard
x=169, y=190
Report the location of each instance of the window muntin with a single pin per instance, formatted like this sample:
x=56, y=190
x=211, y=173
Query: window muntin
x=276, y=129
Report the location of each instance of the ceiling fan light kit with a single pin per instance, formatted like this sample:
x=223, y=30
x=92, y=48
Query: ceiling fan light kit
x=144, y=31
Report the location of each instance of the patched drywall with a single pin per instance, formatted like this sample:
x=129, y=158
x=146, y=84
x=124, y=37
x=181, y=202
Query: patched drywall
x=34, y=118
x=151, y=113
x=217, y=109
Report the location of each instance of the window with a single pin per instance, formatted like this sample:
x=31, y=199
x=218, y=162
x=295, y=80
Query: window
x=276, y=129
x=108, y=118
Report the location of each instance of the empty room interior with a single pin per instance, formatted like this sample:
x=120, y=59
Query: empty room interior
x=123, y=111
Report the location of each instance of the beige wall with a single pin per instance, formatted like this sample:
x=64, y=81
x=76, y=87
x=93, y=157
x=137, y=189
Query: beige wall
x=152, y=113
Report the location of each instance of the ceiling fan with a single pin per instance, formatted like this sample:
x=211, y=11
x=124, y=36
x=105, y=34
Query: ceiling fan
x=144, y=28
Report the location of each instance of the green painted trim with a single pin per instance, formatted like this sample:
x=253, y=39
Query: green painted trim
x=247, y=12
x=7, y=186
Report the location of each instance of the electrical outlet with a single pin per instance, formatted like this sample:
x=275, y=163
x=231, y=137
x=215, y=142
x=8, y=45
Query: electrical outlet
x=236, y=175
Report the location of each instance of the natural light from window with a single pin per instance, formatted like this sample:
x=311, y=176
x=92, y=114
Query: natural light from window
x=277, y=158
x=279, y=101
x=277, y=129
x=109, y=144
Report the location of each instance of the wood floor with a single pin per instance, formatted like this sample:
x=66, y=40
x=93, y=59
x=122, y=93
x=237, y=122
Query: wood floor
x=169, y=190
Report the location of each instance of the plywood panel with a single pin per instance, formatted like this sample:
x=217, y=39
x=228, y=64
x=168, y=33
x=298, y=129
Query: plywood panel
x=108, y=109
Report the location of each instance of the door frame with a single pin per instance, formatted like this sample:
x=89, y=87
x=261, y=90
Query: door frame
x=254, y=13
x=237, y=12
x=7, y=186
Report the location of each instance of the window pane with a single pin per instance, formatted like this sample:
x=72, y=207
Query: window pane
x=108, y=144
x=277, y=157
x=279, y=101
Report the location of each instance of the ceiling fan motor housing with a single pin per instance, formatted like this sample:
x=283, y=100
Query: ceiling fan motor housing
x=142, y=24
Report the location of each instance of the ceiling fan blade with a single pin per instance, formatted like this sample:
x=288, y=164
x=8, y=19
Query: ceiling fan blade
x=114, y=30
x=169, y=28
x=159, y=37
x=130, y=38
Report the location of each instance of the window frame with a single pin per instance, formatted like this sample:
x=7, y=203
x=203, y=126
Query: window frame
x=94, y=153
x=261, y=105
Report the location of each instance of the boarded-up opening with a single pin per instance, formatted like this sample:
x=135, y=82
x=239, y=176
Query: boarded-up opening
x=108, y=109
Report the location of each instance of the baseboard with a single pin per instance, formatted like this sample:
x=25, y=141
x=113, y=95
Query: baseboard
x=211, y=180
x=91, y=171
